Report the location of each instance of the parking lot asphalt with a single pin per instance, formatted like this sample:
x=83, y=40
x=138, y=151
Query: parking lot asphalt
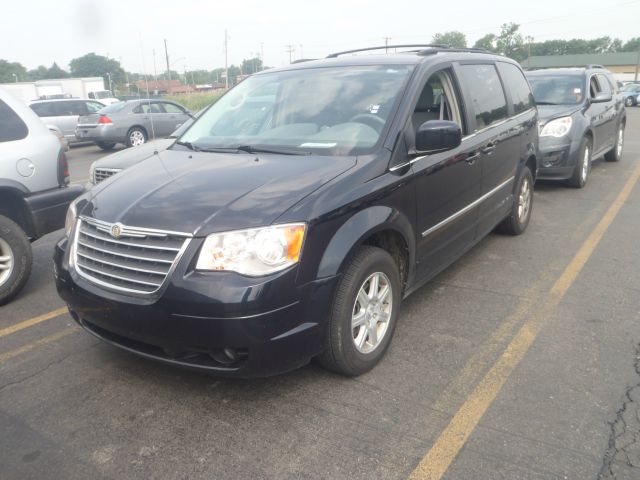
x=520, y=361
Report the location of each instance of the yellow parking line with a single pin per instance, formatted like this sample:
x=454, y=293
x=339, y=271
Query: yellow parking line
x=437, y=460
x=38, y=343
x=33, y=321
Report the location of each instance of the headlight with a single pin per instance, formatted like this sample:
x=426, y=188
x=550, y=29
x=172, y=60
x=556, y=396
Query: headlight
x=253, y=252
x=557, y=128
x=70, y=219
x=92, y=173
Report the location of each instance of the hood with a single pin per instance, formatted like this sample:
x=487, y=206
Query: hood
x=130, y=156
x=201, y=193
x=549, y=112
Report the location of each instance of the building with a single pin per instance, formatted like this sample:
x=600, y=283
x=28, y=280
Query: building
x=623, y=65
x=163, y=86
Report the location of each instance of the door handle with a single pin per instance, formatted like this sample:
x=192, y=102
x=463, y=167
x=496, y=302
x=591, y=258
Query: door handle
x=472, y=157
x=488, y=148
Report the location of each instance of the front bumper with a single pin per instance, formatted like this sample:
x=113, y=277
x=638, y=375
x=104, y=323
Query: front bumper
x=48, y=208
x=270, y=326
x=558, y=158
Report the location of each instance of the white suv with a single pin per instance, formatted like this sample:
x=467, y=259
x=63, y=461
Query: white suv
x=34, y=190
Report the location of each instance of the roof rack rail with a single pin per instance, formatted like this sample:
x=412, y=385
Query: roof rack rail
x=431, y=51
x=301, y=60
x=594, y=65
x=386, y=47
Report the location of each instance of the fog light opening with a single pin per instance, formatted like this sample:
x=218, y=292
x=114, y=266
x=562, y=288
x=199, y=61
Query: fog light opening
x=229, y=355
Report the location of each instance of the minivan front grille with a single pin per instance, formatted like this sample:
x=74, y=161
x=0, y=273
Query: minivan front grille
x=100, y=174
x=130, y=259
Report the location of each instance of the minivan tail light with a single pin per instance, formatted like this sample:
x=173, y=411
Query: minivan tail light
x=63, y=169
x=104, y=120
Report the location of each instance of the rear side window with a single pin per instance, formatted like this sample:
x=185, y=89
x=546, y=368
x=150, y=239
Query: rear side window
x=485, y=92
x=69, y=109
x=11, y=125
x=605, y=86
x=517, y=86
x=44, y=109
x=171, y=108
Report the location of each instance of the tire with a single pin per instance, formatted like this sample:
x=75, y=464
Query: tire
x=15, y=259
x=583, y=165
x=615, y=154
x=341, y=354
x=518, y=219
x=106, y=146
x=629, y=102
x=136, y=136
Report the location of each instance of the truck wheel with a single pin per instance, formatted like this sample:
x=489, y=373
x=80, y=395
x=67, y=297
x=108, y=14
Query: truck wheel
x=136, y=136
x=106, y=146
x=364, y=313
x=615, y=154
x=15, y=259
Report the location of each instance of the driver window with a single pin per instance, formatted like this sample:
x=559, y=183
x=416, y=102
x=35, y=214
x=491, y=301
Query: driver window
x=594, y=88
x=437, y=101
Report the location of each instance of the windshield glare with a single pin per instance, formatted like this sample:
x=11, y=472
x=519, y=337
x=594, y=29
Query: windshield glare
x=558, y=89
x=328, y=111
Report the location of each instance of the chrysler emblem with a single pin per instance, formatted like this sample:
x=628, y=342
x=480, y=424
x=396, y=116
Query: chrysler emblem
x=116, y=230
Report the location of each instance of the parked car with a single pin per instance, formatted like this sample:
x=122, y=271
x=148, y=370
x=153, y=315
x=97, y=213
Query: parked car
x=64, y=113
x=104, y=96
x=630, y=93
x=114, y=163
x=132, y=123
x=296, y=233
x=34, y=191
x=582, y=117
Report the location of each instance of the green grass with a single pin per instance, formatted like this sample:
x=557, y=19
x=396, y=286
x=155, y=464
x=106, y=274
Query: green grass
x=195, y=101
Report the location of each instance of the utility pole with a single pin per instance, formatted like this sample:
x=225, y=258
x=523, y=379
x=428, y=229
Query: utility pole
x=226, y=60
x=386, y=44
x=290, y=49
x=301, y=52
x=166, y=53
x=637, y=65
x=155, y=71
x=261, y=55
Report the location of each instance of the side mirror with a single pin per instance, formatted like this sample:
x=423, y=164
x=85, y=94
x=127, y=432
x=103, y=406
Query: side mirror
x=601, y=97
x=438, y=136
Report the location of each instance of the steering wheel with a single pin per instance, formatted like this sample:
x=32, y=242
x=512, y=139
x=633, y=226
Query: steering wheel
x=369, y=119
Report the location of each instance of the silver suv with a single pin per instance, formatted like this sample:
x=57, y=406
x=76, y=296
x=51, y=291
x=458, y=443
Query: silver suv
x=64, y=113
x=34, y=190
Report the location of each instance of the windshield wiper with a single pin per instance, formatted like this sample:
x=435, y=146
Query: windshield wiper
x=546, y=103
x=189, y=145
x=280, y=151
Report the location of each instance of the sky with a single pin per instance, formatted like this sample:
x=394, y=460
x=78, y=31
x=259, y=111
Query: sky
x=35, y=32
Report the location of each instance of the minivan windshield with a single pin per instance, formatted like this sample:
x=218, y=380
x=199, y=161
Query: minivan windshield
x=327, y=111
x=557, y=89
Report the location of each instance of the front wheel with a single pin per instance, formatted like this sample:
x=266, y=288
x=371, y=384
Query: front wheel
x=364, y=313
x=15, y=259
x=136, y=136
x=629, y=102
x=615, y=154
x=520, y=214
x=583, y=166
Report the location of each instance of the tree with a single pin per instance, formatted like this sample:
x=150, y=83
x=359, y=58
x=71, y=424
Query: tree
x=453, y=39
x=632, y=45
x=488, y=42
x=251, y=65
x=12, y=71
x=92, y=65
x=510, y=43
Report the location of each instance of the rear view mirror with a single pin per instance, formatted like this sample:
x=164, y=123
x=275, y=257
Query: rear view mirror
x=438, y=136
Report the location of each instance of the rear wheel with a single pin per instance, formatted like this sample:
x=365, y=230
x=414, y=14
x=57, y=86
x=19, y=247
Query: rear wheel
x=518, y=219
x=106, y=146
x=136, y=136
x=615, y=154
x=364, y=313
x=15, y=259
x=583, y=166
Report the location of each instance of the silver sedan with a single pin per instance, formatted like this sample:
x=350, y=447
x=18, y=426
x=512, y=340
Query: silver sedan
x=132, y=123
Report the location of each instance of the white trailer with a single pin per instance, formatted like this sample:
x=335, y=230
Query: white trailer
x=88, y=87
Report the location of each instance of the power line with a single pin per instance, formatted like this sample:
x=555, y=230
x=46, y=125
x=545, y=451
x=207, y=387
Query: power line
x=290, y=49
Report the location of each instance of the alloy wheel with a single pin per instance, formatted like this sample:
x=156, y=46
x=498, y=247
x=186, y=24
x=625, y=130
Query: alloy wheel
x=6, y=261
x=371, y=312
x=620, y=142
x=136, y=138
x=586, y=163
x=524, y=200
